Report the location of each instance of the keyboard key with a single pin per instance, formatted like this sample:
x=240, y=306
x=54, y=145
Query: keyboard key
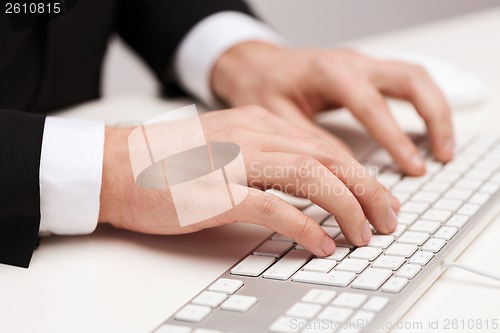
x=343, y=242
x=334, y=278
x=407, y=218
x=489, y=188
x=478, y=173
x=421, y=258
x=400, y=228
x=425, y=196
x=352, y=265
x=335, y=314
x=388, y=262
x=252, y=265
x=273, y=248
x=286, y=266
x=287, y=325
x=436, y=186
x=431, y=167
x=413, y=237
x=381, y=241
x=204, y=330
x=459, y=194
x=173, y=329
x=350, y=300
x=388, y=179
x=409, y=271
x=439, y=215
x=338, y=254
x=227, y=286
x=457, y=221
x=376, y=304
x=209, y=298
x=239, y=303
x=434, y=245
x=446, y=233
x=320, y=265
x=479, y=198
x=193, y=313
x=330, y=222
x=365, y=252
x=281, y=238
x=414, y=207
x=468, y=209
x=318, y=296
x=304, y=310
x=447, y=176
x=407, y=185
x=448, y=204
x=395, y=285
x=401, y=196
x=358, y=321
x=316, y=213
x=371, y=279
x=468, y=184
x=425, y=226
x=331, y=231
x=401, y=250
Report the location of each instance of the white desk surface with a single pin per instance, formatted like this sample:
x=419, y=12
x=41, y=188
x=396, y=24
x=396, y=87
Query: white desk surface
x=118, y=281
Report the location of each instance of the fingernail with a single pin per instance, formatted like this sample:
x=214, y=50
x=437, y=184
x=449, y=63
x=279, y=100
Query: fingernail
x=417, y=161
x=391, y=220
x=366, y=233
x=328, y=246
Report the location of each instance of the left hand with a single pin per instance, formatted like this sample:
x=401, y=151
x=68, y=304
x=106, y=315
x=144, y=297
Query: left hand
x=298, y=83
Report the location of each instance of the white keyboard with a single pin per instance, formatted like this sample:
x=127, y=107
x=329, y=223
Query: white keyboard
x=280, y=287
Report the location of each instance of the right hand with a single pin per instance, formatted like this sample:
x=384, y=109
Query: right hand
x=269, y=145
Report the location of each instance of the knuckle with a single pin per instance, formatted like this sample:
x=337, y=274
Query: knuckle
x=305, y=166
x=267, y=204
x=303, y=227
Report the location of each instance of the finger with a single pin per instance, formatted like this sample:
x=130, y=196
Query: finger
x=270, y=211
x=371, y=109
x=413, y=83
x=304, y=176
x=302, y=119
x=377, y=204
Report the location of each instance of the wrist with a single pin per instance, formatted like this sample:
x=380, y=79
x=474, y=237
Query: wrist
x=116, y=173
x=240, y=68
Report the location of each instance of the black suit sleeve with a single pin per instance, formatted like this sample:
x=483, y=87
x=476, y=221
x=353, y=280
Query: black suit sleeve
x=154, y=28
x=20, y=147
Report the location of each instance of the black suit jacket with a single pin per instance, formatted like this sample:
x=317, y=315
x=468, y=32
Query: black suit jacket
x=58, y=63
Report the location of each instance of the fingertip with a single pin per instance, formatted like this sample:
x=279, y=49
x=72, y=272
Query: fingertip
x=446, y=151
x=366, y=234
x=415, y=165
x=328, y=246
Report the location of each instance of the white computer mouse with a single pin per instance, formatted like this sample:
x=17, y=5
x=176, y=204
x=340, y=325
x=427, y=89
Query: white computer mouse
x=460, y=87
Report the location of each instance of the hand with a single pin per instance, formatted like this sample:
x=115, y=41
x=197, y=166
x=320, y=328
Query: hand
x=277, y=154
x=296, y=84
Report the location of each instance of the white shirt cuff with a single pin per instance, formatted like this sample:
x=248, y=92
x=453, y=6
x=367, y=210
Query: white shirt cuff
x=70, y=175
x=207, y=41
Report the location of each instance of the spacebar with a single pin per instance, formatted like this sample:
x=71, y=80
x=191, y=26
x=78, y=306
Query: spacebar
x=336, y=278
